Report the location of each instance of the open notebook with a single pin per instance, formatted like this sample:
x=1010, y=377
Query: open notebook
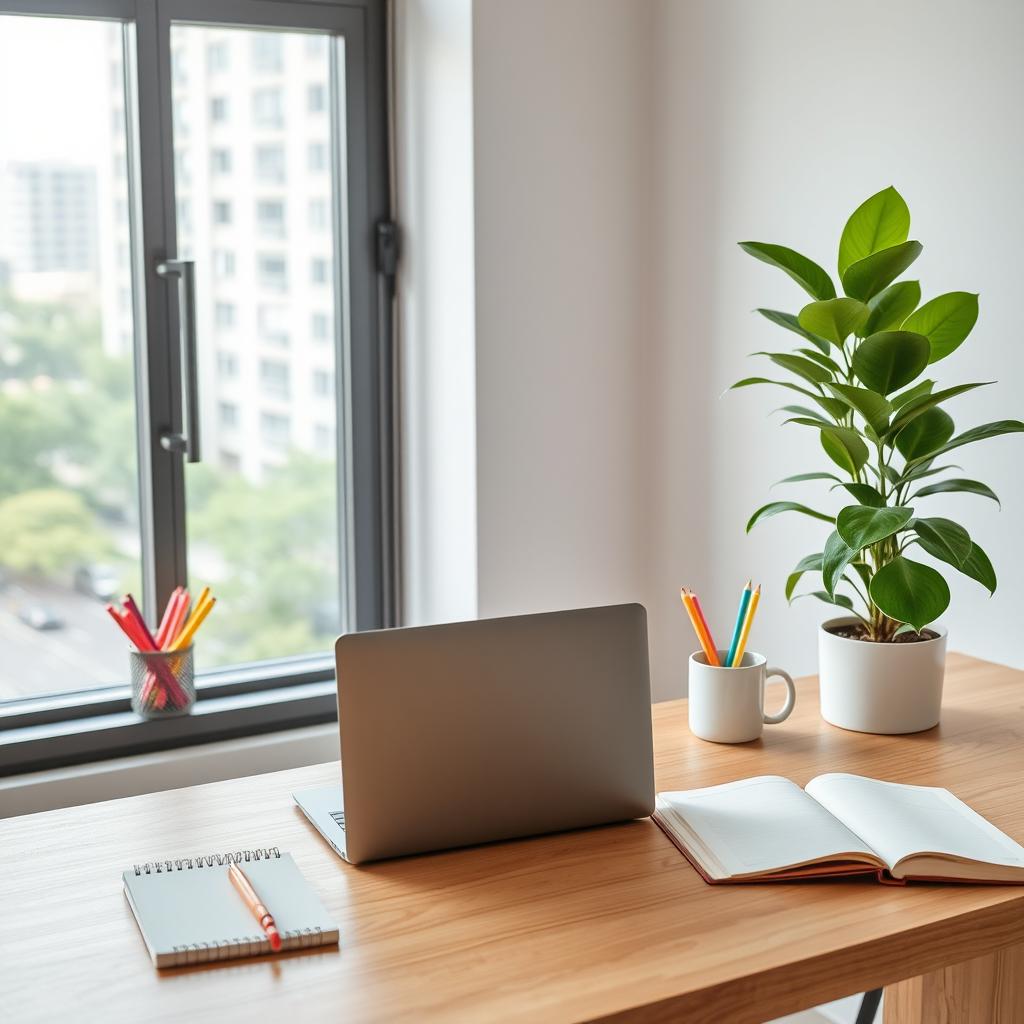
x=189, y=912
x=769, y=829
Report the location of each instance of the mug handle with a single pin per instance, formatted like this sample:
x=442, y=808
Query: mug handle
x=787, y=708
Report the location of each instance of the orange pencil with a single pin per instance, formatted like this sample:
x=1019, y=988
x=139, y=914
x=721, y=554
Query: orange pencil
x=252, y=901
x=699, y=625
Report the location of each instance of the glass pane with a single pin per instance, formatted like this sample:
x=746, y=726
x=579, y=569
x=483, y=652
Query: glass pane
x=254, y=212
x=69, y=513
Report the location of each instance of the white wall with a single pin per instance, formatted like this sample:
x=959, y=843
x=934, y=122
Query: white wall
x=776, y=120
x=562, y=139
x=434, y=103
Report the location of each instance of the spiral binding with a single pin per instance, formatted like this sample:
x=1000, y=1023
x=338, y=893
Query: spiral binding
x=210, y=860
x=246, y=945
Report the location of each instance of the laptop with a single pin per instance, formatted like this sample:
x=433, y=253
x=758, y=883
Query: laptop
x=478, y=731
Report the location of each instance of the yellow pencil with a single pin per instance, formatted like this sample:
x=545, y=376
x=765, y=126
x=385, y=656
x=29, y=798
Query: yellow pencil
x=748, y=621
x=195, y=620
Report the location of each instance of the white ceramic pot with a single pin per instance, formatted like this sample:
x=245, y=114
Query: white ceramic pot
x=883, y=688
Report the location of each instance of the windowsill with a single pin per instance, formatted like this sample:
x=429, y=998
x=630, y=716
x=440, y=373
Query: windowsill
x=39, y=734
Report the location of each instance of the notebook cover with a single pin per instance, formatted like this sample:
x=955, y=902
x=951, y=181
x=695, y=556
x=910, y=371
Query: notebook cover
x=192, y=913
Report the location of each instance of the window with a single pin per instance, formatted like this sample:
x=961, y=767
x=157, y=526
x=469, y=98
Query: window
x=227, y=365
x=96, y=200
x=323, y=383
x=223, y=263
x=227, y=413
x=318, y=271
x=273, y=324
x=217, y=57
x=317, y=157
x=267, y=51
x=275, y=430
x=318, y=214
x=270, y=218
x=275, y=378
x=224, y=314
x=268, y=108
x=272, y=272
x=320, y=326
x=270, y=165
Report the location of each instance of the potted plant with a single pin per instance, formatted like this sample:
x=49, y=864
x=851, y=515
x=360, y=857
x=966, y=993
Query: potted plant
x=857, y=368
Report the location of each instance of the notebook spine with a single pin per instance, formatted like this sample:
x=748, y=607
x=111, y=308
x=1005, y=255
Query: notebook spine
x=210, y=860
x=245, y=945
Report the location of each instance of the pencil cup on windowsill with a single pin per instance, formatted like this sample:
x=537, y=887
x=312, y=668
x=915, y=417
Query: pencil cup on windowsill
x=163, y=683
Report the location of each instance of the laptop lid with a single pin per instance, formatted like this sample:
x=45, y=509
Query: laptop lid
x=477, y=731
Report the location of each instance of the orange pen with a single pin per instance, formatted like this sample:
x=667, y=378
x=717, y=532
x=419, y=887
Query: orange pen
x=252, y=901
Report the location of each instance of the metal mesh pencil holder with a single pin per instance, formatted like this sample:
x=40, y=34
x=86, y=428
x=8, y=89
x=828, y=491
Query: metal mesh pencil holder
x=163, y=683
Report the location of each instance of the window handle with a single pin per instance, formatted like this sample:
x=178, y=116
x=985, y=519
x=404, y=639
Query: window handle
x=187, y=442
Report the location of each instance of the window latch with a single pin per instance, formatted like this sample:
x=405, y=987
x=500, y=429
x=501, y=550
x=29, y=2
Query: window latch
x=387, y=248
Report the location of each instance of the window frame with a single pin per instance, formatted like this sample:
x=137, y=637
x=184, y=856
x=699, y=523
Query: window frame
x=77, y=726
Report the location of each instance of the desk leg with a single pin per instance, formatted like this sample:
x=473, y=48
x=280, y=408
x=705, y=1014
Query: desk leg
x=988, y=990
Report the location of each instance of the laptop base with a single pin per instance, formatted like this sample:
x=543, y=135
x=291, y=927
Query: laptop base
x=323, y=806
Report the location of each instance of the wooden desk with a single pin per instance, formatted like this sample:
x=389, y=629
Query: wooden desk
x=609, y=923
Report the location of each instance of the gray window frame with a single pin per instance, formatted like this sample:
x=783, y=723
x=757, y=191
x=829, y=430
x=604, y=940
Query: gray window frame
x=76, y=727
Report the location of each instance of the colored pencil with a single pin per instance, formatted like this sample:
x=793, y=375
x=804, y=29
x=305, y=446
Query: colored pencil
x=715, y=660
x=741, y=614
x=703, y=635
x=165, y=622
x=195, y=620
x=748, y=621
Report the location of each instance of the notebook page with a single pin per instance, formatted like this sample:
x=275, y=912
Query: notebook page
x=899, y=820
x=759, y=825
x=199, y=907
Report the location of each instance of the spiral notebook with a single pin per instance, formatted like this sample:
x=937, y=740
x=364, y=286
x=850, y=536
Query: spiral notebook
x=189, y=912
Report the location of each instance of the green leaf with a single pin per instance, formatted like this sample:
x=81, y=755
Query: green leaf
x=773, y=508
x=905, y=397
x=952, y=486
x=906, y=628
x=867, y=277
x=860, y=525
x=799, y=365
x=809, y=421
x=925, y=435
x=845, y=448
x=978, y=567
x=920, y=405
x=945, y=321
x=878, y=223
x=809, y=563
x=803, y=477
x=888, y=360
x=805, y=272
x=832, y=406
x=841, y=600
x=890, y=307
x=873, y=407
x=865, y=494
x=921, y=471
x=834, y=319
x=791, y=323
x=822, y=360
x=908, y=591
x=836, y=557
x=799, y=410
x=943, y=539
x=982, y=433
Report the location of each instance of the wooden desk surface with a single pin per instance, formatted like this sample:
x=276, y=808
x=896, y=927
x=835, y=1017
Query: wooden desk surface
x=573, y=927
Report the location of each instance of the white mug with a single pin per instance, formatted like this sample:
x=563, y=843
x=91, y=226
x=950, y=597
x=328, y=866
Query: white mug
x=727, y=704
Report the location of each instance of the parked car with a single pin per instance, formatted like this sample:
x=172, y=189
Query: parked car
x=99, y=581
x=38, y=616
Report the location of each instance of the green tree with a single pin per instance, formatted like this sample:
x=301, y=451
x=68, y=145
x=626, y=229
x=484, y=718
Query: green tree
x=47, y=531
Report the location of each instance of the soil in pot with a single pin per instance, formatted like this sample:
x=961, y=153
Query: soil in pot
x=856, y=631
